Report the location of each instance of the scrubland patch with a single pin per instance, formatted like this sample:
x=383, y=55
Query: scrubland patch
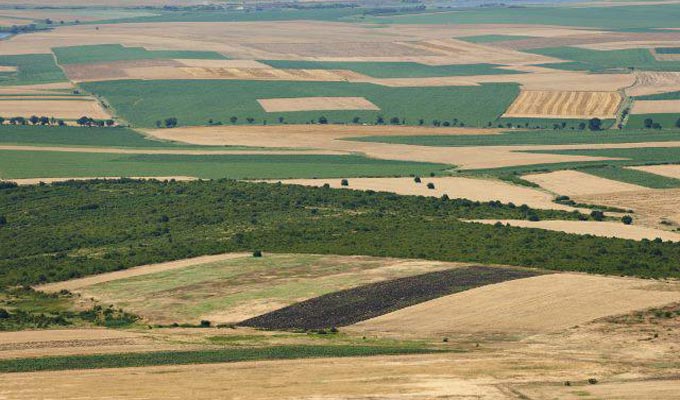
x=564, y=104
x=316, y=103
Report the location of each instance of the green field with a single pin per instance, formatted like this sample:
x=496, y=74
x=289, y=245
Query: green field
x=492, y=38
x=514, y=138
x=660, y=96
x=622, y=17
x=601, y=61
x=194, y=102
x=115, y=52
x=31, y=69
x=54, y=164
x=396, y=69
x=667, y=121
x=228, y=355
x=77, y=136
x=668, y=50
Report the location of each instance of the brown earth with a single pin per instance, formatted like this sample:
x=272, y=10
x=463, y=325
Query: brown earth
x=656, y=107
x=564, y=104
x=316, y=103
x=454, y=187
x=572, y=183
x=67, y=109
x=541, y=304
x=603, y=229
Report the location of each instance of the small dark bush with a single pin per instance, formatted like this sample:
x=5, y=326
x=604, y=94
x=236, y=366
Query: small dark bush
x=257, y=253
x=430, y=185
x=592, y=381
x=627, y=219
x=205, y=323
x=344, y=182
x=417, y=179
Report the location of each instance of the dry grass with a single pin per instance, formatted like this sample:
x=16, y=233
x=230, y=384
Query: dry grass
x=564, y=104
x=651, y=206
x=656, y=106
x=454, y=187
x=67, y=109
x=540, y=304
x=316, y=103
x=574, y=183
x=670, y=171
x=603, y=229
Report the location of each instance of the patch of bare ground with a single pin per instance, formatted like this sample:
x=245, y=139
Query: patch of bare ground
x=670, y=170
x=595, y=228
x=67, y=109
x=653, y=207
x=647, y=83
x=656, y=107
x=329, y=137
x=573, y=183
x=541, y=304
x=454, y=187
x=75, y=284
x=316, y=103
x=564, y=104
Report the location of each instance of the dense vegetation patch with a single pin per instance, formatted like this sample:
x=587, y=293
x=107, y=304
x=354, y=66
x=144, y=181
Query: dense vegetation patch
x=101, y=53
x=122, y=360
x=347, y=307
x=31, y=69
x=396, y=69
x=144, y=103
x=63, y=231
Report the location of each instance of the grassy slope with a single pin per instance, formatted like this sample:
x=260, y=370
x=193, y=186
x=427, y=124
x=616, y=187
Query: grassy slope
x=624, y=17
x=512, y=138
x=79, y=229
x=395, y=69
x=599, y=61
x=122, y=360
x=194, y=102
x=31, y=69
x=116, y=52
x=49, y=164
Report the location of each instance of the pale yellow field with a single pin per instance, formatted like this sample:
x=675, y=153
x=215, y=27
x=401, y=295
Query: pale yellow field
x=595, y=228
x=573, y=183
x=67, y=109
x=539, y=304
x=564, y=104
x=316, y=104
x=670, y=170
x=653, y=207
x=655, y=106
x=647, y=83
x=454, y=187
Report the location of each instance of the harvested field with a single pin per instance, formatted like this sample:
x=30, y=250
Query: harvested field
x=652, y=389
x=544, y=303
x=659, y=208
x=67, y=109
x=454, y=187
x=316, y=103
x=575, y=183
x=44, y=88
x=195, y=62
x=269, y=74
x=564, y=104
x=595, y=228
x=656, y=107
x=648, y=83
x=114, y=69
x=353, y=305
x=586, y=39
x=671, y=171
x=368, y=50
x=239, y=287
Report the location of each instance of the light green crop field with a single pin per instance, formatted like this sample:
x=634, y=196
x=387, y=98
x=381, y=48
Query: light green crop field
x=660, y=96
x=600, y=61
x=195, y=102
x=622, y=17
x=611, y=169
x=530, y=137
x=493, y=38
x=396, y=69
x=667, y=121
x=53, y=164
x=80, y=136
x=234, y=290
x=116, y=52
x=31, y=69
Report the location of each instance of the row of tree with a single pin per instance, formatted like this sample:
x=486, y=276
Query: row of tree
x=649, y=123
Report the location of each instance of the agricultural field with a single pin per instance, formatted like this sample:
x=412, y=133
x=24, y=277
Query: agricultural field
x=325, y=200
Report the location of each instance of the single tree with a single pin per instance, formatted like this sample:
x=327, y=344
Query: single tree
x=159, y=123
x=417, y=179
x=280, y=120
x=380, y=120
x=394, y=120
x=627, y=219
x=170, y=122
x=110, y=122
x=344, y=182
x=595, y=124
x=323, y=120
x=421, y=122
x=430, y=185
x=233, y=120
x=44, y=120
x=250, y=120
x=648, y=122
x=356, y=120
x=34, y=119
